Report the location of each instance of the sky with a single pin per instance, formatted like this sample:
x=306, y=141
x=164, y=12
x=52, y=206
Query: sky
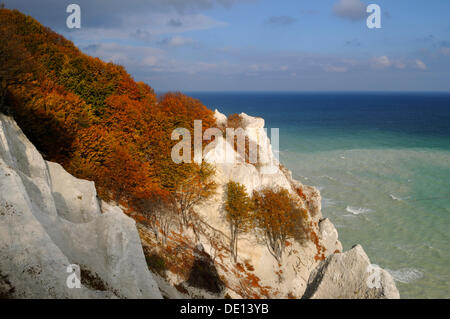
x=262, y=45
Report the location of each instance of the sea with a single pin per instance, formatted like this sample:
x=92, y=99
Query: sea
x=382, y=164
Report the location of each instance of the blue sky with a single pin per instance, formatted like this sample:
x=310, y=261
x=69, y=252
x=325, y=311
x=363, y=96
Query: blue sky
x=257, y=45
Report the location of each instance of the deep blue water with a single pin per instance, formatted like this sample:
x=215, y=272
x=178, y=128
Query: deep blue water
x=423, y=119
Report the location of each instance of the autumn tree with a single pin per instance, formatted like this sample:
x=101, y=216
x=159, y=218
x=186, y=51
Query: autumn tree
x=238, y=206
x=195, y=188
x=159, y=215
x=279, y=216
x=184, y=110
x=15, y=62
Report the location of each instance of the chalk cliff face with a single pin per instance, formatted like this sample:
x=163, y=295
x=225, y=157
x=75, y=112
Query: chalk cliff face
x=50, y=220
x=277, y=281
x=345, y=276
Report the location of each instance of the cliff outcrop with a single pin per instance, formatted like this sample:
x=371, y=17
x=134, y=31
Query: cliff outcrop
x=49, y=220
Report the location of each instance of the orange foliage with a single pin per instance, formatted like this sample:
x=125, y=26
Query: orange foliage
x=300, y=193
x=249, y=266
x=91, y=116
x=278, y=215
x=315, y=239
x=240, y=267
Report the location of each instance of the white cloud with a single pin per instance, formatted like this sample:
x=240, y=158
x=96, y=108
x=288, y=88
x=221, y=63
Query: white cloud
x=148, y=28
x=126, y=55
x=150, y=61
x=350, y=9
x=156, y=63
x=384, y=62
x=162, y=23
x=381, y=62
x=177, y=41
x=420, y=65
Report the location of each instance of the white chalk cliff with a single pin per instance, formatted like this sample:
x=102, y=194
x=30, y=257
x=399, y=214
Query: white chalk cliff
x=345, y=276
x=300, y=270
x=50, y=220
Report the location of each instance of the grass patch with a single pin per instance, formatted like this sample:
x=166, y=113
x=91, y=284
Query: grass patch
x=156, y=263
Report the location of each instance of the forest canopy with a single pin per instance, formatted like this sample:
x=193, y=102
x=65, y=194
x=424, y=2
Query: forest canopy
x=91, y=116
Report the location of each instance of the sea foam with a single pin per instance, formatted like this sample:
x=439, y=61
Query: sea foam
x=406, y=275
x=358, y=210
x=394, y=197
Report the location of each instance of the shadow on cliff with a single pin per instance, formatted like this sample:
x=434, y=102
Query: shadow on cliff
x=204, y=274
x=46, y=132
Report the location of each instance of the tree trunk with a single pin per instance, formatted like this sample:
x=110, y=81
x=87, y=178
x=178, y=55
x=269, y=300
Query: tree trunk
x=235, y=244
x=233, y=241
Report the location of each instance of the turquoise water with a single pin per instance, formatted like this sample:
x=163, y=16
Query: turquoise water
x=382, y=163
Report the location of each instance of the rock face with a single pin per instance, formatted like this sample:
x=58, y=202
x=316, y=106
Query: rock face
x=350, y=275
x=290, y=277
x=275, y=280
x=50, y=220
x=329, y=236
x=235, y=168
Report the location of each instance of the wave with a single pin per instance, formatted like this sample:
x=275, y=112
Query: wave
x=406, y=275
x=328, y=177
x=358, y=210
x=394, y=198
x=398, y=198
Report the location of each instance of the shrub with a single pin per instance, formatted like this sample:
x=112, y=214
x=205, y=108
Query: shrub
x=156, y=263
x=278, y=215
x=234, y=121
x=238, y=206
